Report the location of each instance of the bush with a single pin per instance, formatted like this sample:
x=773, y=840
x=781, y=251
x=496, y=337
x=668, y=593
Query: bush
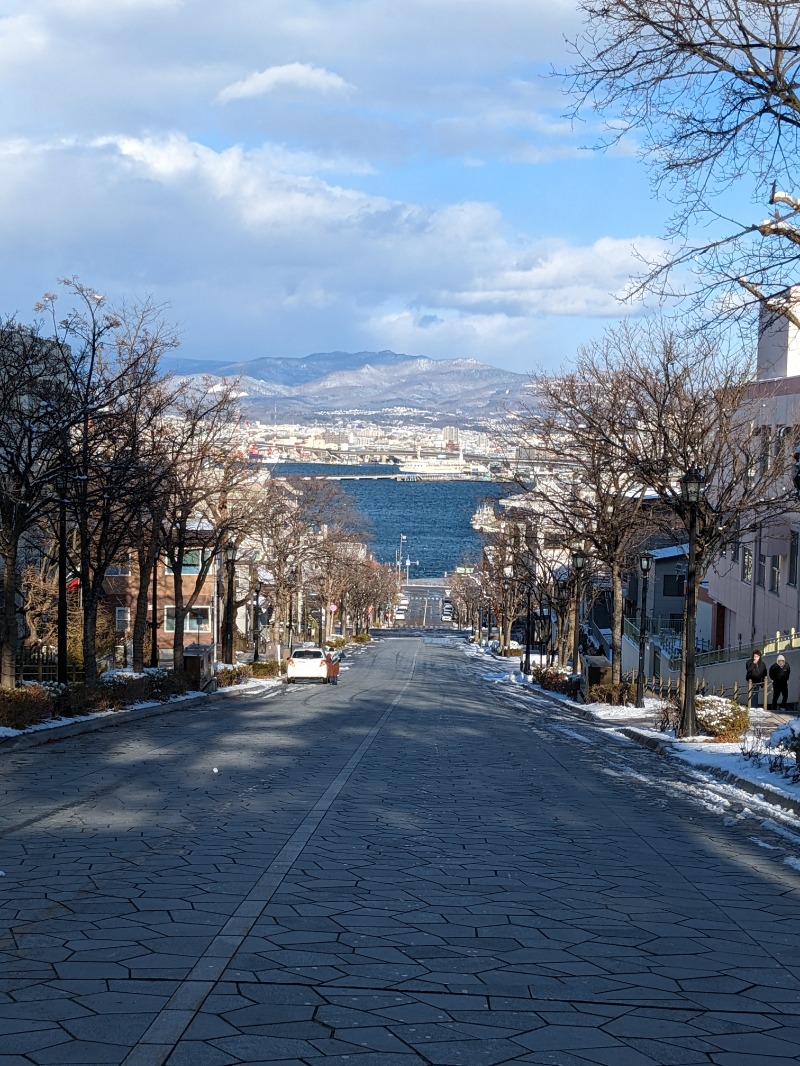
x=554, y=680
x=25, y=706
x=721, y=718
x=234, y=675
x=266, y=668
x=622, y=695
x=361, y=638
x=338, y=642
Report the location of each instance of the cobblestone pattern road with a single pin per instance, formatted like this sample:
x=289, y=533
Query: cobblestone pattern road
x=404, y=869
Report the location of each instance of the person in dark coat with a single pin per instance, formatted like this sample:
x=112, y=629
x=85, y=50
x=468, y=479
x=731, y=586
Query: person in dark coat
x=779, y=676
x=756, y=674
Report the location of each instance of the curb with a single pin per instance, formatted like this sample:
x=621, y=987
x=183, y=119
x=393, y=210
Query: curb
x=79, y=726
x=666, y=748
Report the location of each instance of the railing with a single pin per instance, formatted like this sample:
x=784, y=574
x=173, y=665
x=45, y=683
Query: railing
x=43, y=666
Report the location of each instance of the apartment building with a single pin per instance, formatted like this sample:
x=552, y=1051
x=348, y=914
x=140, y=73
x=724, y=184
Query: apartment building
x=754, y=585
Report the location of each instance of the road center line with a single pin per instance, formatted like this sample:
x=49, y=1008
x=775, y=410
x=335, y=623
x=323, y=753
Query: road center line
x=158, y=1042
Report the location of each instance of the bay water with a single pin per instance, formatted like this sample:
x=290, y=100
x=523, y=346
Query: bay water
x=433, y=516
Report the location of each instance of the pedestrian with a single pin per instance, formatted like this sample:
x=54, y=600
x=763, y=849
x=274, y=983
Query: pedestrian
x=779, y=676
x=756, y=674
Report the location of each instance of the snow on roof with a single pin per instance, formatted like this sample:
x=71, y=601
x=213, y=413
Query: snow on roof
x=673, y=551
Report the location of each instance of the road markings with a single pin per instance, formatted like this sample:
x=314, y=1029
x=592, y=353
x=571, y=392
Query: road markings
x=157, y=1044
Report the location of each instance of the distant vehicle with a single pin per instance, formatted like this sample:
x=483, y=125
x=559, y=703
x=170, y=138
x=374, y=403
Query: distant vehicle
x=310, y=664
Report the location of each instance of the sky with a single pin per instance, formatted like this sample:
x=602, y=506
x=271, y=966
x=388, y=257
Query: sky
x=297, y=176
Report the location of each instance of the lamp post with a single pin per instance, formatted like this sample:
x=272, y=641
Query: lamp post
x=61, y=616
x=693, y=485
x=645, y=565
x=154, y=619
x=230, y=562
x=578, y=566
x=399, y=555
x=256, y=620
x=526, y=669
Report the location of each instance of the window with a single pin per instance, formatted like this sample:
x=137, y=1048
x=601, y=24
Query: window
x=761, y=573
x=121, y=568
x=123, y=619
x=794, y=544
x=747, y=564
x=193, y=560
x=198, y=620
x=775, y=573
x=673, y=584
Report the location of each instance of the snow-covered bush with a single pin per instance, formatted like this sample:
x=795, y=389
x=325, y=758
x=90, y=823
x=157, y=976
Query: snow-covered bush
x=721, y=718
x=233, y=675
x=786, y=738
x=266, y=668
x=554, y=680
x=622, y=695
x=25, y=706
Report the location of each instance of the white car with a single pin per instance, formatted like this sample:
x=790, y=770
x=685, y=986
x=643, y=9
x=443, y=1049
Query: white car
x=309, y=664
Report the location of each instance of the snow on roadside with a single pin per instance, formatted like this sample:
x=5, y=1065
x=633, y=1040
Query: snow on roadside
x=253, y=687
x=699, y=752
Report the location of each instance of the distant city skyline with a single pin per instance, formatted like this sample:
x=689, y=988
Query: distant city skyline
x=301, y=176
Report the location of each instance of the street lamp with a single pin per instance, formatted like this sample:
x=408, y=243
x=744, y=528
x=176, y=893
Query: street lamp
x=578, y=566
x=256, y=620
x=154, y=620
x=693, y=485
x=399, y=555
x=230, y=593
x=526, y=669
x=61, y=615
x=645, y=565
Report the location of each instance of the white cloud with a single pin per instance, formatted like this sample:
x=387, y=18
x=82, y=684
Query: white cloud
x=289, y=76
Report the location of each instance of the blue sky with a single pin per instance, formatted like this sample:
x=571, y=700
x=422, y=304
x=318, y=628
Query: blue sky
x=292, y=176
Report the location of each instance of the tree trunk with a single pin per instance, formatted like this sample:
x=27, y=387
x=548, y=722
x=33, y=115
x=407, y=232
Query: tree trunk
x=616, y=624
x=180, y=616
x=90, y=605
x=9, y=629
x=146, y=562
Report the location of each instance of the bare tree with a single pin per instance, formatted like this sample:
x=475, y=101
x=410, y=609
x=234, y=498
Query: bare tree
x=683, y=405
x=597, y=498
x=36, y=415
x=210, y=500
x=712, y=88
x=110, y=363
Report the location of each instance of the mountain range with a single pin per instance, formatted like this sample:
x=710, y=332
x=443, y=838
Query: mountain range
x=384, y=386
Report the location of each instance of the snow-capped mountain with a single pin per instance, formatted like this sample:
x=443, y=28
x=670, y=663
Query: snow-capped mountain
x=373, y=384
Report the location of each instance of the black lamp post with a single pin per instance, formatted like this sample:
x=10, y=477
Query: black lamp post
x=578, y=566
x=256, y=620
x=154, y=619
x=527, y=666
x=230, y=600
x=61, y=616
x=693, y=485
x=645, y=565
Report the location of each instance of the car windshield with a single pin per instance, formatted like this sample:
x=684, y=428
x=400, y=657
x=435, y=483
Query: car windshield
x=308, y=653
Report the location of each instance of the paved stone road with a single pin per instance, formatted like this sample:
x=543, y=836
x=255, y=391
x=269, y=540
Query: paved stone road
x=402, y=869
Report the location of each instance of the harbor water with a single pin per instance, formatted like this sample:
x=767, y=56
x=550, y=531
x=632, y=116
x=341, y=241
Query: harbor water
x=433, y=516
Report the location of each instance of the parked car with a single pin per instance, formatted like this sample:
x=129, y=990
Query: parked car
x=310, y=664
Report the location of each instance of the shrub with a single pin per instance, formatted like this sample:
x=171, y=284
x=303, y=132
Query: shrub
x=233, y=675
x=338, y=642
x=266, y=668
x=555, y=680
x=668, y=716
x=721, y=718
x=361, y=638
x=622, y=695
x=25, y=706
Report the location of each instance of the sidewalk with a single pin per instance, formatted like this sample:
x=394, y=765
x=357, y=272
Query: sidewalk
x=723, y=761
